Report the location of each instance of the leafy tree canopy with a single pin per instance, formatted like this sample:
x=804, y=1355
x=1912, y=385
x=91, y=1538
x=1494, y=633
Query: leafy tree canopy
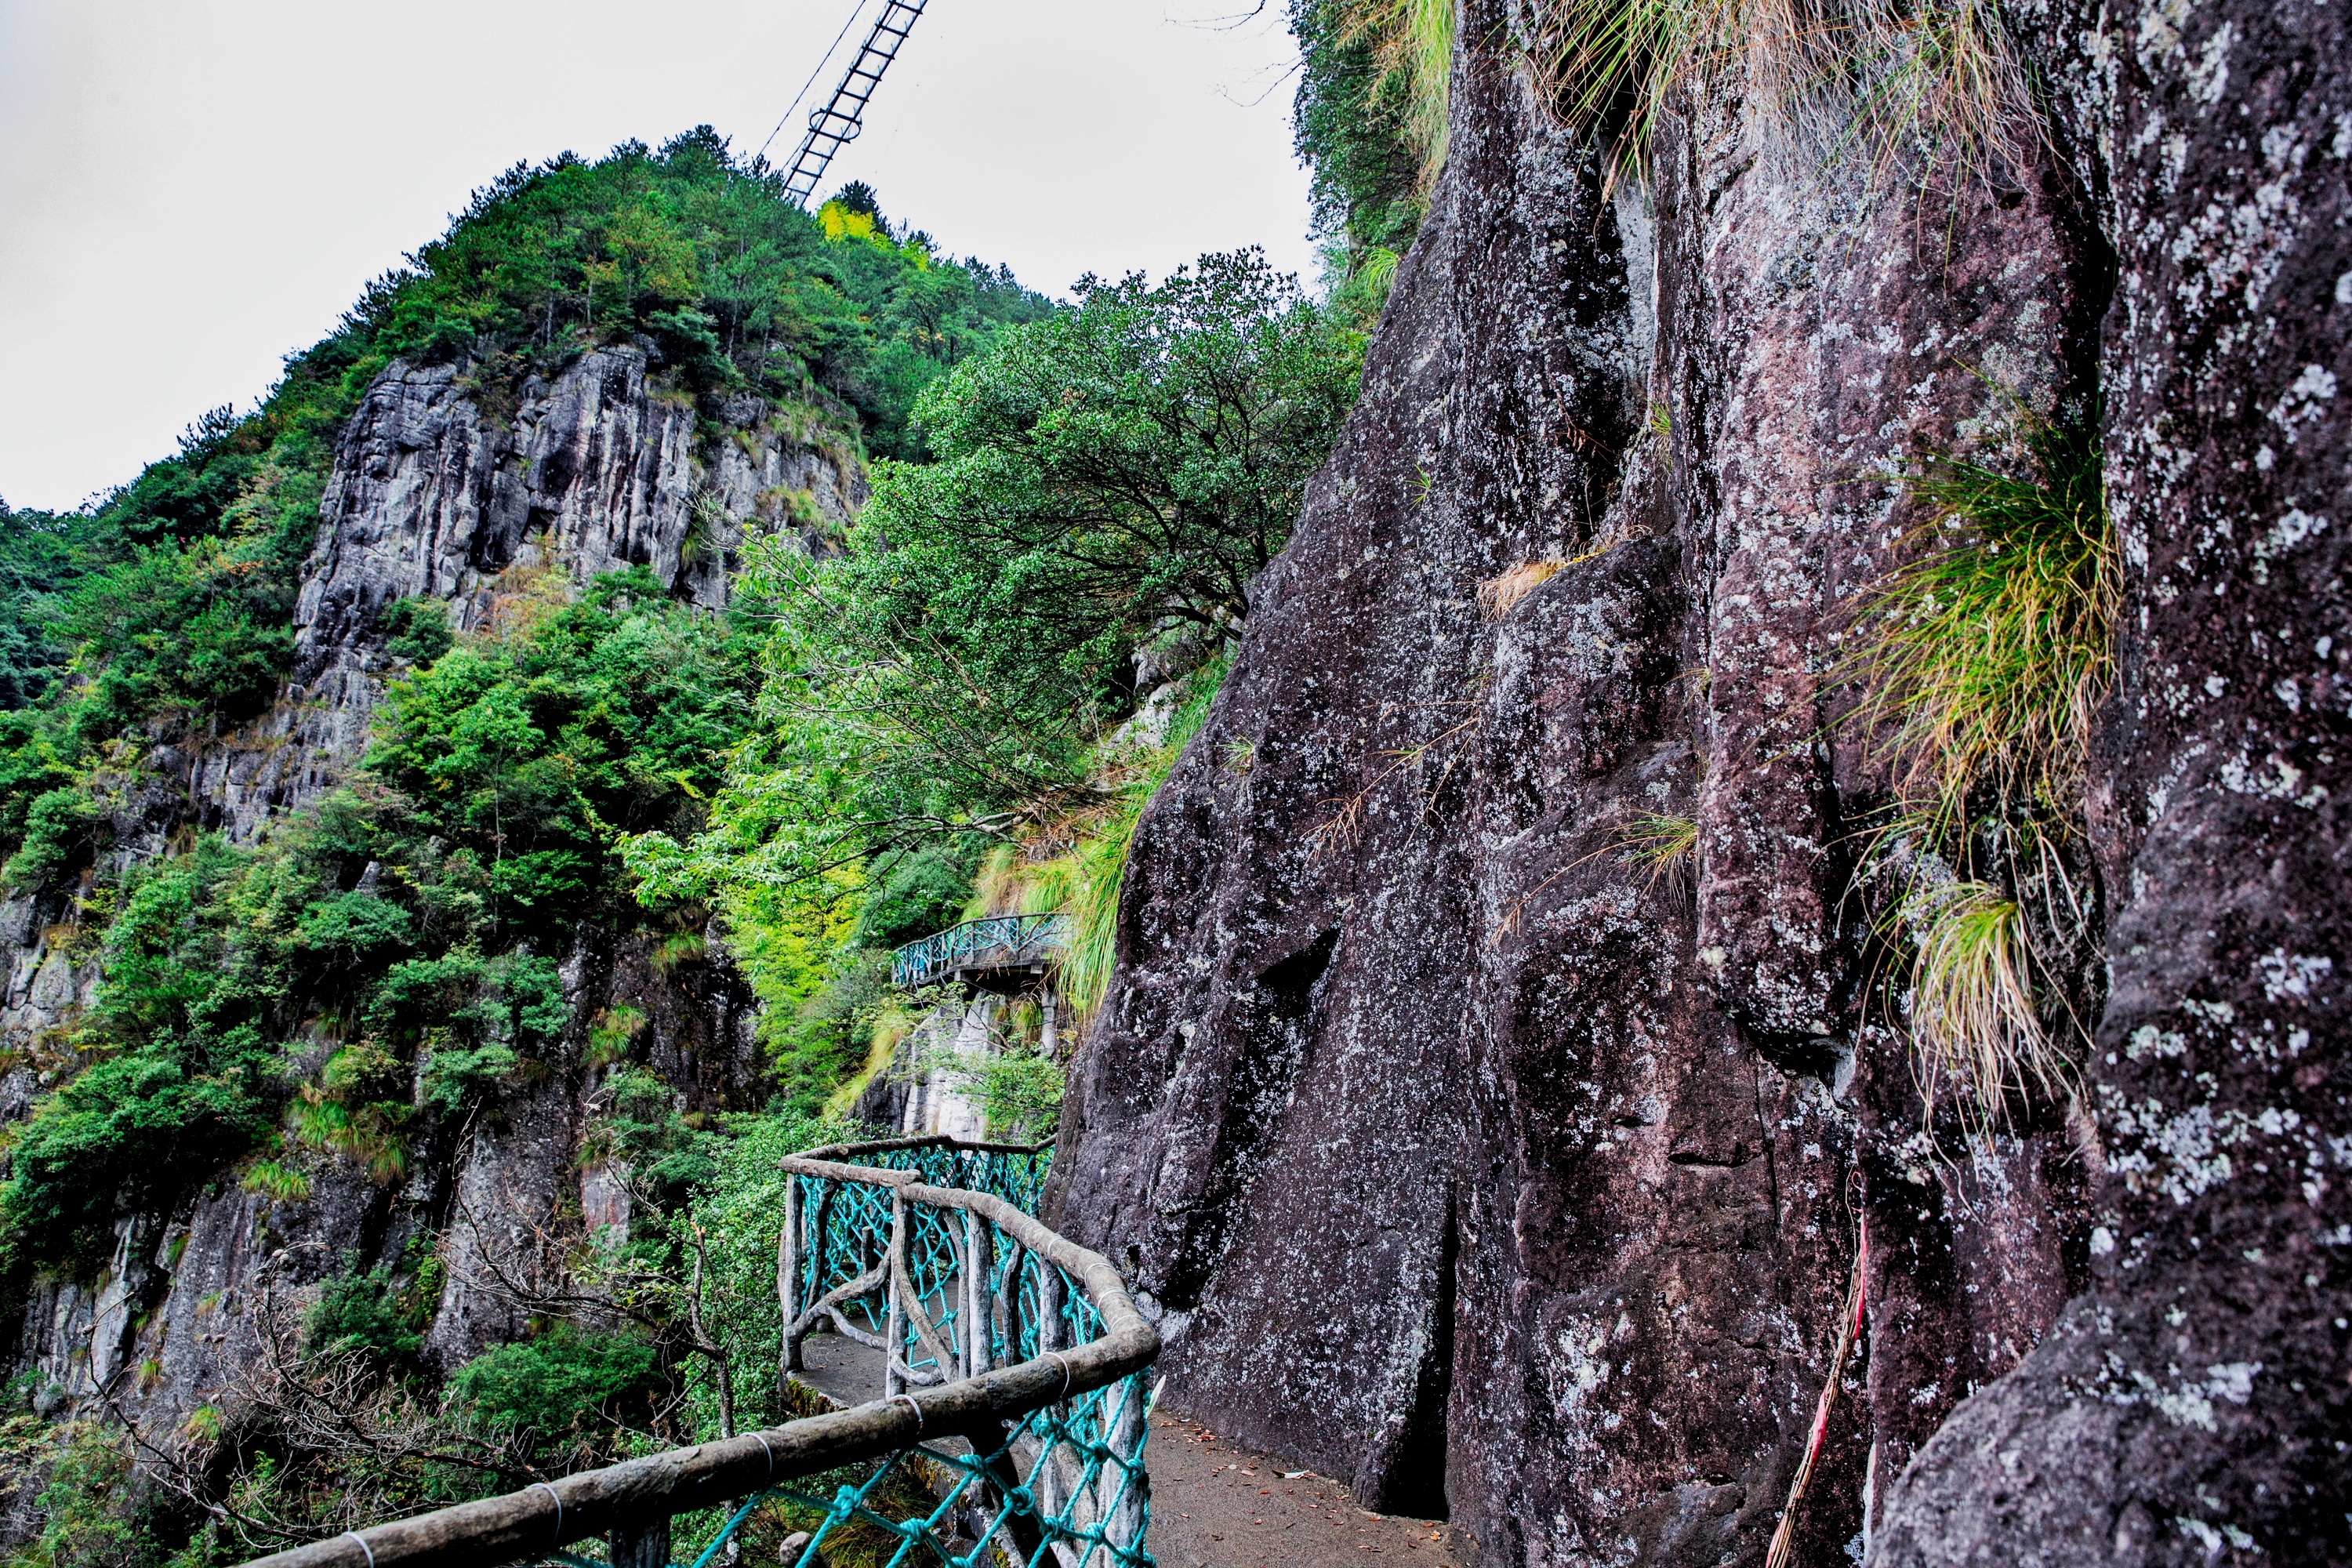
x=1115, y=474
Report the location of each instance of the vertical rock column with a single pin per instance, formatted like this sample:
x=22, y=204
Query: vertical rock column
x=2197, y=1406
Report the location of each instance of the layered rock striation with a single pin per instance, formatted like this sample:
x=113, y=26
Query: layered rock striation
x=441, y=493
x=1467, y=1151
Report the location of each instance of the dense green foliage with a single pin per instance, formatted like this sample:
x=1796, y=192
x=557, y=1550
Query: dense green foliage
x=551, y=1389
x=42, y=554
x=1354, y=123
x=361, y=1314
x=526, y=754
x=505, y=773
x=1116, y=475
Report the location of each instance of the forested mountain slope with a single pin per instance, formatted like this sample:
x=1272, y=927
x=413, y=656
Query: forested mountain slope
x=333, y=1027
x=457, y=818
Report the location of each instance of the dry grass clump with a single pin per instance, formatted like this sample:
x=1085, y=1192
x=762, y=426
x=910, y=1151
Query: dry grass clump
x=1897, y=78
x=1664, y=845
x=1498, y=594
x=1977, y=1030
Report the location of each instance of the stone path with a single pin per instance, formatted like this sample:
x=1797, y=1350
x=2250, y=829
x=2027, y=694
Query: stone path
x=1214, y=1504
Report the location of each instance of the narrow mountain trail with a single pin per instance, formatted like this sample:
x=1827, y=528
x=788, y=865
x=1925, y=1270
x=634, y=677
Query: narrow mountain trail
x=1213, y=1503
x=1217, y=1505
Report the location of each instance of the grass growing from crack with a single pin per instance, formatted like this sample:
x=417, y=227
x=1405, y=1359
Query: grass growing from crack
x=1981, y=663
x=1664, y=845
x=1977, y=1029
x=1987, y=655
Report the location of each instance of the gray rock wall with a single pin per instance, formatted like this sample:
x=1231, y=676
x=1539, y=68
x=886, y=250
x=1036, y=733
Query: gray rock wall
x=1463, y=1155
x=2195, y=1404
x=432, y=496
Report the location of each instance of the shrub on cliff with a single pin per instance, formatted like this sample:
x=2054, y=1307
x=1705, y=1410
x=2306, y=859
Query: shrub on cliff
x=530, y=747
x=564, y=1392
x=361, y=1314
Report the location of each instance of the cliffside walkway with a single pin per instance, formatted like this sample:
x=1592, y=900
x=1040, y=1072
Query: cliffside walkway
x=999, y=953
x=1212, y=1504
x=1010, y=1427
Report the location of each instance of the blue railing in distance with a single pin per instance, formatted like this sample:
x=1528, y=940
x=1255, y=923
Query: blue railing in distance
x=998, y=942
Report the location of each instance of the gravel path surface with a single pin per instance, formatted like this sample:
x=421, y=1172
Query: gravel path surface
x=1217, y=1505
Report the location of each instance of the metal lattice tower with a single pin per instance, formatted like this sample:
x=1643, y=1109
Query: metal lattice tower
x=838, y=122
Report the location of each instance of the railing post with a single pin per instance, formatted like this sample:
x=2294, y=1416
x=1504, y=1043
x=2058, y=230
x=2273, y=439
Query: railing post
x=788, y=1279
x=643, y=1545
x=976, y=1314
x=1055, y=1489
x=894, y=1335
x=1124, y=1525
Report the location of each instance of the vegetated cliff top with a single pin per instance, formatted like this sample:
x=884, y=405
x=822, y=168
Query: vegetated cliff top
x=159, y=622
x=174, y=592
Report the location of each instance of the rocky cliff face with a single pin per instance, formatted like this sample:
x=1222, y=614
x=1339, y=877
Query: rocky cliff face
x=440, y=493
x=433, y=495
x=1464, y=1154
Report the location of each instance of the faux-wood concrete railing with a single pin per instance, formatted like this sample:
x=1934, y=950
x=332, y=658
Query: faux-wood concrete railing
x=1042, y=1458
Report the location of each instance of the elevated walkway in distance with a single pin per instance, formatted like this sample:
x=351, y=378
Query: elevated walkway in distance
x=1005, y=953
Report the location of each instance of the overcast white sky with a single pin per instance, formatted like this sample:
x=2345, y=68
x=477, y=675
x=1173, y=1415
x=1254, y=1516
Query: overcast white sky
x=189, y=191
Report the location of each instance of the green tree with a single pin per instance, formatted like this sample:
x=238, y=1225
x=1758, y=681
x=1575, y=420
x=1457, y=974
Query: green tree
x=1138, y=458
x=1118, y=472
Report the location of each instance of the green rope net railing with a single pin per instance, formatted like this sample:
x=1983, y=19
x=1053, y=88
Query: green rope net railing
x=1013, y=1172
x=1011, y=1433
x=947, y=1292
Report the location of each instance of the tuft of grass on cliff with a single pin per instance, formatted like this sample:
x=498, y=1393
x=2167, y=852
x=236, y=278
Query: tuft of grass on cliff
x=1981, y=663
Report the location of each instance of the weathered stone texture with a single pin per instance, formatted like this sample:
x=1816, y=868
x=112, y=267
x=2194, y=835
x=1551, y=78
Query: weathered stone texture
x=2196, y=1405
x=1465, y=1155
x=595, y=470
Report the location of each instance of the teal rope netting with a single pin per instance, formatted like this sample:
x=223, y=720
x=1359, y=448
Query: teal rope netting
x=1056, y=1492
x=1066, y=1487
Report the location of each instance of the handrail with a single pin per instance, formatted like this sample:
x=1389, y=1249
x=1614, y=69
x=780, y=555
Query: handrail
x=995, y=942
x=1013, y=1172
x=844, y=1152
x=987, y=1407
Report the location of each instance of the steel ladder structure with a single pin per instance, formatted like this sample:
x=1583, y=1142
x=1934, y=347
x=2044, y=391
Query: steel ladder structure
x=836, y=125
